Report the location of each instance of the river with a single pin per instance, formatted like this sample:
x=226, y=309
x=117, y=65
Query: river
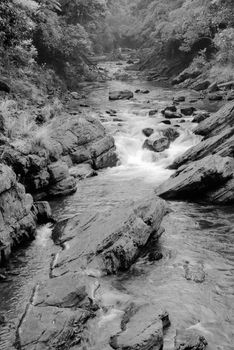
x=196, y=234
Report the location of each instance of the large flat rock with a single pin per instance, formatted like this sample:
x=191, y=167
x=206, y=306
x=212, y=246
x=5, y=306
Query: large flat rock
x=198, y=179
x=109, y=242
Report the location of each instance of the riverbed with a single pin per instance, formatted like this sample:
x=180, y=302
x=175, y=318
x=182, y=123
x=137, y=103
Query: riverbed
x=195, y=233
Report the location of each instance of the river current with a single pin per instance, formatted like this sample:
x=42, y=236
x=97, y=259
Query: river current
x=195, y=234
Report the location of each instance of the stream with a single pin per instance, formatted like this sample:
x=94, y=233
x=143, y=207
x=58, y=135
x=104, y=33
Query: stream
x=198, y=233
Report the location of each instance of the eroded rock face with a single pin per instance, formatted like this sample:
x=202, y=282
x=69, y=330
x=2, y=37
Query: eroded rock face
x=141, y=329
x=44, y=170
x=189, y=340
x=106, y=244
x=17, y=221
x=198, y=178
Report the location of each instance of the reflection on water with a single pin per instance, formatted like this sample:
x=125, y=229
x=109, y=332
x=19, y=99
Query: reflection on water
x=195, y=234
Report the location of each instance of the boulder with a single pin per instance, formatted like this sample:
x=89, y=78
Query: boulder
x=222, y=144
x=64, y=187
x=213, y=87
x=157, y=143
x=82, y=171
x=52, y=327
x=189, y=340
x=153, y=112
x=198, y=178
x=167, y=122
x=179, y=99
x=73, y=138
x=188, y=73
x=217, y=122
x=106, y=243
x=148, y=131
x=230, y=95
x=170, y=109
x=58, y=171
x=4, y=87
x=194, y=272
x=17, y=221
x=201, y=85
x=172, y=115
x=187, y=110
x=43, y=212
x=171, y=134
x=2, y=125
x=120, y=95
x=215, y=96
x=199, y=116
x=141, y=329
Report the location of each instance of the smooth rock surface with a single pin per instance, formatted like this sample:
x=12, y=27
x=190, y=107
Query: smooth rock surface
x=189, y=340
x=198, y=178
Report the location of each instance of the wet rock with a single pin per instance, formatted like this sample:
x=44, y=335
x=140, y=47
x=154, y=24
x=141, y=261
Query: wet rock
x=187, y=110
x=222, y=144
x=157, y=143
x=40, y=119
x=186, y=74
x=201, y=85
x=155, y=255
x=2, y=125
x=63, y=188
x=171, y=133
x=120, y=95
x=213, y=87
x=217, y=122
x=73, y=138
x=148, y=131
x=230, y=96
x=4, y=87
x=17, y=222
x=198, y=178
x=111, y=111
x=215, y=96
x=51, y=327
x=58, y=171
x=139, y=91
x=179, y=99
x=189, y=340
x=82, y=171
x=109, y=242
x=224, y=194
x=69, y=291
x=199, y=116
x=227, y=85
x=167, y=122
x=2, y=319
x=194, y=273
x=130, y=62
x=170, y=109
x=172, y=115
x=43, y=212
x=153, y=112
x=75, y=95
x=143, y=329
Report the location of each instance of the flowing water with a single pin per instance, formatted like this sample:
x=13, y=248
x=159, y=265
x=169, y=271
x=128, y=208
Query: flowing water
x=195, y=234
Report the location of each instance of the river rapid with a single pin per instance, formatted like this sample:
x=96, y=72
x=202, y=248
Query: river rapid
x=195, y=233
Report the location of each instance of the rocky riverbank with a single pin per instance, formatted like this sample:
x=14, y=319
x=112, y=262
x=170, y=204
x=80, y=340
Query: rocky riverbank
x=205, y=171
x=97, y=245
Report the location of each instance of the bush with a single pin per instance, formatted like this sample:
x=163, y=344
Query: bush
x=224, y=42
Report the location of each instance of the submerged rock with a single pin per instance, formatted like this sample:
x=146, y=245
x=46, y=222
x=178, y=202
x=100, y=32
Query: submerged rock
x=153, y=112
x=171, y=133
x=194, y=273
x=189, y=340
x=187, y=110
x=156, y=143
x=148, y=131
x=43, y=212
x=120, y=95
